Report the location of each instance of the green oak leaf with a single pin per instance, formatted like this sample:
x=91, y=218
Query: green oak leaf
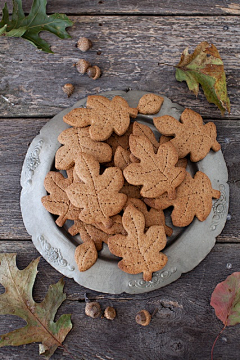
x=29, y=27
x=17, y=300
x=205, y=67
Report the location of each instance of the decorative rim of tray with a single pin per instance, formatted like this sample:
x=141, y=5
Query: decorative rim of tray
x=190, y=247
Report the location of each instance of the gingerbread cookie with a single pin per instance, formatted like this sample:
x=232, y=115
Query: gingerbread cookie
x=163, y=139
x=57, y=202
x=114, y=141
x=131, y=190
x=99, y=196
x=89, y=232
x=140, y=251
x=86, y=255
x=103, y=115
x=116, y=228
x=152, y=217
x=181, y=162
x=145, y=131
x=194, y=198
x=122, y=158
x=133, y=158
x=156, y=172
x=76, y=141
x=150, y=104
x=191, y=134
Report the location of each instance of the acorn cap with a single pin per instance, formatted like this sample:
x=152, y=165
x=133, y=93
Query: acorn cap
x=110, y=313
x=93, y=309
x=143, y=318
x=84, y=44
x=82, y=65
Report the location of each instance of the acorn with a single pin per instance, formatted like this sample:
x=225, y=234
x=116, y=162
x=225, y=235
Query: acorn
x=82, y=66
x=68, y=89
x=84, y=44
x=143, y=318
x=94, y=72
x=93, y=309
x=110, y=313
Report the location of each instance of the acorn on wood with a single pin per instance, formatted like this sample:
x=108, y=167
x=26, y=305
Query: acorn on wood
x=84, y=44
x=94, y=72
x=82, y=65
x=93, y=309
x=68, y=89
x=143, y=318
x=110, y=313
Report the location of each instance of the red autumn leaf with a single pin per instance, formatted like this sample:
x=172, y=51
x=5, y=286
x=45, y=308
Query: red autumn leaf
x=226, y=300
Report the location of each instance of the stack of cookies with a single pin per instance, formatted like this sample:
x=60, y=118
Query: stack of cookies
x=120, y=179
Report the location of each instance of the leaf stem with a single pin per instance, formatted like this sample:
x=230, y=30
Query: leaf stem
x=166, y=64
x=216, y=340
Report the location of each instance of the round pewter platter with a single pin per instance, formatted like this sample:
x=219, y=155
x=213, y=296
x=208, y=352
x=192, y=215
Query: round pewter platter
x=186, y=248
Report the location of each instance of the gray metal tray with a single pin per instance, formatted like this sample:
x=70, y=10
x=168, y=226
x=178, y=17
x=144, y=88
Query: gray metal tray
x=187, y=247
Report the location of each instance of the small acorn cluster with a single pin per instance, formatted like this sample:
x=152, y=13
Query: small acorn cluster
x=83, y=66
x=93, y=310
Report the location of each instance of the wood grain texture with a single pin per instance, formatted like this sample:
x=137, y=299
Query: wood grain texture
x=131, y=49
x=16, y=135
x=205, y=7
x=183, y=328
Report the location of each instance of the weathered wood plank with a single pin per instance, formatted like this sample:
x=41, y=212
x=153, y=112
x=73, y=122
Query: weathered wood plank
x=206, y=7
x=16, y=134
x=130, y=48
x=184, y=326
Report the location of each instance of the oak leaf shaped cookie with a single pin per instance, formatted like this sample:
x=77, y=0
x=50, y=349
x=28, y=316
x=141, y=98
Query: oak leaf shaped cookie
x=116, y=228
x=156, y=172
x=89, y=232
x=114, y=141
x=57, y=202
x=103, y=115
x=97, y=232
x=194, y=197
x=140, y=251
x=152, y=216
x=99, y=195
x=76, y=141
x=181, y=162
x=145, y=131
x=131, y=190
x=191, y=134
x=122, y=158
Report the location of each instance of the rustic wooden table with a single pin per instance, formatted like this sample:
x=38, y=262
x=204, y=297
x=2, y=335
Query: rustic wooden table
x=130, y=39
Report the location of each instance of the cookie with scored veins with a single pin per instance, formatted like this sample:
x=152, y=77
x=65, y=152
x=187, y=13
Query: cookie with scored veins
x=99, y=195
x=191, y=135
x=194, y=198
x=157, y=173
x=103, y=115
x=139, y=250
